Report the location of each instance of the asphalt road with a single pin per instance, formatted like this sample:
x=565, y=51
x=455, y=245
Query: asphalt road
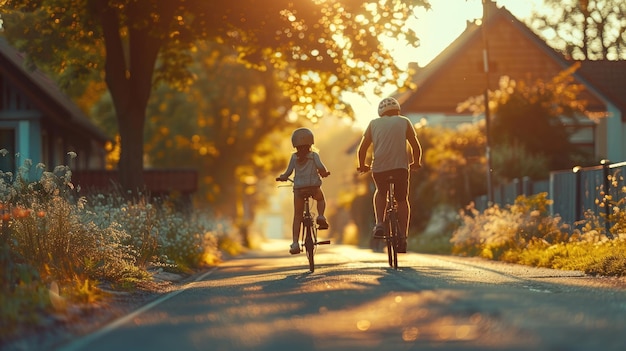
x=267, y=300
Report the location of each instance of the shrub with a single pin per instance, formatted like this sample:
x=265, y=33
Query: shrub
x=57, y=247
x=498, y=233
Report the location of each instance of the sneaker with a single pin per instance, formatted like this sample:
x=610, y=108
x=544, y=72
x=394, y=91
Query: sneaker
x=402, y=245
x=379, y=231
x=321, y=222
x=294, y=249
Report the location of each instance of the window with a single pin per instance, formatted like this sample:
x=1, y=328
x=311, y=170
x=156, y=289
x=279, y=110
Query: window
x=7, y=141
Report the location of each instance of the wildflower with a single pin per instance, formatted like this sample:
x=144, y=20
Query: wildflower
x=20, y=212
x=4, y=152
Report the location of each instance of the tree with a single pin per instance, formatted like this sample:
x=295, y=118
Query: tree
x=323, y=48
x=223, y=126
x=534, y=119
x=584, y=29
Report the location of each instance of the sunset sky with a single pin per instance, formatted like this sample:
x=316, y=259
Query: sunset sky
x=437, y=28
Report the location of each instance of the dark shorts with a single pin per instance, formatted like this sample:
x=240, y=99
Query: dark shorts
x=400, y=179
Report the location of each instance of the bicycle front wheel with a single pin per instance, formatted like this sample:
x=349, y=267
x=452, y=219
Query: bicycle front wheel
x=309, y=246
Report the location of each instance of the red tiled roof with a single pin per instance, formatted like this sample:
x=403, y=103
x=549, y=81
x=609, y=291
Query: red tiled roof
x=607, y=78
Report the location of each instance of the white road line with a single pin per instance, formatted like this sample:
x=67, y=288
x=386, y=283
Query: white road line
x=86, y=340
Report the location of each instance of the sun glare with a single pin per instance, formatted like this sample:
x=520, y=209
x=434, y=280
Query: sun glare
x=436, y=29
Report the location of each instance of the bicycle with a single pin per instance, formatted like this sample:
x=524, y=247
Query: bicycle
x=391, y=225
x=308, y=231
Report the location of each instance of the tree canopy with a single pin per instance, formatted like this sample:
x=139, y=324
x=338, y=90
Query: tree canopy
x=584, y=29
x=532, y=121
x=322, y=47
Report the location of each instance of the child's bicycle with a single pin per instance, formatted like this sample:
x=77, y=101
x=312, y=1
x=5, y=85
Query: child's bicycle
x=308, y=231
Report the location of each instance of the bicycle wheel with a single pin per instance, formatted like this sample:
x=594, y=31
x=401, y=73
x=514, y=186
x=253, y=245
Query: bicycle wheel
x=393, y=240
x=309, y=246
x=388, y=242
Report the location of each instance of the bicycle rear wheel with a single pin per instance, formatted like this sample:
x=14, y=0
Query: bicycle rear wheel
x=389, y=243
x=392, y=242
x=309, y=246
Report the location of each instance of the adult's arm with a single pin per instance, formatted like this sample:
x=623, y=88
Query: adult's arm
x=416, y=147
x=365, y=143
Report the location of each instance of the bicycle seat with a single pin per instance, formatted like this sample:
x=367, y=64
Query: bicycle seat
x=307, y=192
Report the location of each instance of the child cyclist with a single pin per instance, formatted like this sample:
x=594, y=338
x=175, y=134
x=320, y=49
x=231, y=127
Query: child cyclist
x=309, y=171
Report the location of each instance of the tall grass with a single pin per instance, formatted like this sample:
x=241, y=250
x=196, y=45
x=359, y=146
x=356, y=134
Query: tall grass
x=525, y=233
x=59, y=248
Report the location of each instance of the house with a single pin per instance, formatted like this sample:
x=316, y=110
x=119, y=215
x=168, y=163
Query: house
x=39, y=123
x=457, y=74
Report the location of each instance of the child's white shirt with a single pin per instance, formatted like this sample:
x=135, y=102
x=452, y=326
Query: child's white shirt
x=307, y=171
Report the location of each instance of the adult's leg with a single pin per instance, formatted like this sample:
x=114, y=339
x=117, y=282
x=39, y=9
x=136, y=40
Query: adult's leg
x=380, y=196
x=404, y=210
x=402, y=198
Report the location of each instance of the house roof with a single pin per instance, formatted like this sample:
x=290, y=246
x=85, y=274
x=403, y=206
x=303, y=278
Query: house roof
x=607, y=78
x=45, y=94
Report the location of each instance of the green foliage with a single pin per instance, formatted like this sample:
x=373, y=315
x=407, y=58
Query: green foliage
x=534, y=120
x=224, y=125
x=454, y=162
x=524, y=233
x=583, y=29
x=511, y=162
x=496, y=231
x=320, y=50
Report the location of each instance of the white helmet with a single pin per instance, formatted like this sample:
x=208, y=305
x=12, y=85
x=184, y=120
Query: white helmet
x=388, y=104
x=302, y=136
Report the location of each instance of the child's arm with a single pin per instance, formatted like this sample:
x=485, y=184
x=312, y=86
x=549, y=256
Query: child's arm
x=290, y=167
x=321, y=169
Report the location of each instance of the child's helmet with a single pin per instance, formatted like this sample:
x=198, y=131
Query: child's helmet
x=388, y=104
x=302, y=136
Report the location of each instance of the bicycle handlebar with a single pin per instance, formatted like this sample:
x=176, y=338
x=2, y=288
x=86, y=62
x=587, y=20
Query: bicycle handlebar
x=279, y=179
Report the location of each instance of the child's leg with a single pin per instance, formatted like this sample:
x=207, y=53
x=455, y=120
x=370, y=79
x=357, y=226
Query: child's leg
x=321, y=202
x=298, y=209
x=321, y=207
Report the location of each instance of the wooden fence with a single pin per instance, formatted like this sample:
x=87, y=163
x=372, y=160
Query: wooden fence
x=158, y=181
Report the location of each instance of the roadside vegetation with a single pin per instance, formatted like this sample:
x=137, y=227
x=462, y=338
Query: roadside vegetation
x=60, y=250
x=525, y=233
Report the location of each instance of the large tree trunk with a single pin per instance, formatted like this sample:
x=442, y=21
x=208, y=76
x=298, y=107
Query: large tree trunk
x=129, y=78
x=131, y=125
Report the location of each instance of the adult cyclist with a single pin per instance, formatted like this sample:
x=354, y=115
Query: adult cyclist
x=389, y=136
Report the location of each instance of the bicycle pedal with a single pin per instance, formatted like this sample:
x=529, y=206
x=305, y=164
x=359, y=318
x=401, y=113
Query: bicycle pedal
x=324, y=242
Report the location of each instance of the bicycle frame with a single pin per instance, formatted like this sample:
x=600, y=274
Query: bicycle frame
x=392, y=228
x=308, y=230
x=308, y=233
